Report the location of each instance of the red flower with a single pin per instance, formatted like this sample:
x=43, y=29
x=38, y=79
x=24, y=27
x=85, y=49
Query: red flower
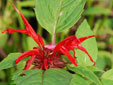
x=49, y=56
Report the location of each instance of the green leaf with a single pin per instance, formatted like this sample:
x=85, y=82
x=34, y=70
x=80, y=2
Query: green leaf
x=90, y=45
x=50, y=77
x=107, y=77
x=78, y=80
x=28, y=77
x=57, y=77
x=58, y=14
x=86, y=73
x=107, y=82
x=97, y=11
x=9, y=61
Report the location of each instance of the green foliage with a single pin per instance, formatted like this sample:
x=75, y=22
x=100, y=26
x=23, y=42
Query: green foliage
x=107, y=77
x=79, y=80
x=90, y=45
x=56, y=77
x=58, y=14
x=97, y=11
x=37, y=77
x=86, y=73
x=30, y=77
x=9, y=61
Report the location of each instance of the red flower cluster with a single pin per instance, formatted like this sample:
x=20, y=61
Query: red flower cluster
x=49, y=56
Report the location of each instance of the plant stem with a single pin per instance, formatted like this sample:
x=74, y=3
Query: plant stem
x=54, y=29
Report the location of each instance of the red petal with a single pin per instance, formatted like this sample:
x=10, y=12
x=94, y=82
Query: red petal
x=29, y=62
x=74, y=53
x=66, y=43
x=86, y=37
x=28, y=27
x=9, y=30
x=28, y=53
x=40, y=40
x=84, y=50
x=65, y=52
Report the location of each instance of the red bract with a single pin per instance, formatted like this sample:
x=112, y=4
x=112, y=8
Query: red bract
x=49, y=56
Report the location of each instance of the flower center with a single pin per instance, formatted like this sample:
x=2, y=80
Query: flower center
x=46, y=60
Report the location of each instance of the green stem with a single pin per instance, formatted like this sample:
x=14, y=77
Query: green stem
x=54, y=28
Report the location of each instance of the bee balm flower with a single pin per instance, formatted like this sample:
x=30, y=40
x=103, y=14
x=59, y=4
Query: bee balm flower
x=49, y=56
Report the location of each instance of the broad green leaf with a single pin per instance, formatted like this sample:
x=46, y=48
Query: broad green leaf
x=90, y=45
x=97, y=11
x=107, y=77
x=50, y=77
x=3, y=39
x=58, y=14
x=29, y=77
x=107, y=82
x=86, y=73
x=57, y=77
x=78, y=80
x=9, y=61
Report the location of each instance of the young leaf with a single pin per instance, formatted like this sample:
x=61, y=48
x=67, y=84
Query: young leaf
x=86, y=73
x=58, y=14
x=90, y=45
x=78, y=80
x=107, y=77
x=9, y=61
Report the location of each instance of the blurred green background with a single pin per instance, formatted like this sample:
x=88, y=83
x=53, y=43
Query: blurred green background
x=99, y=14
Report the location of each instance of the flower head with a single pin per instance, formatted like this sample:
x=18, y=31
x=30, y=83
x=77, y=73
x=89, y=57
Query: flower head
x=49, y=56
